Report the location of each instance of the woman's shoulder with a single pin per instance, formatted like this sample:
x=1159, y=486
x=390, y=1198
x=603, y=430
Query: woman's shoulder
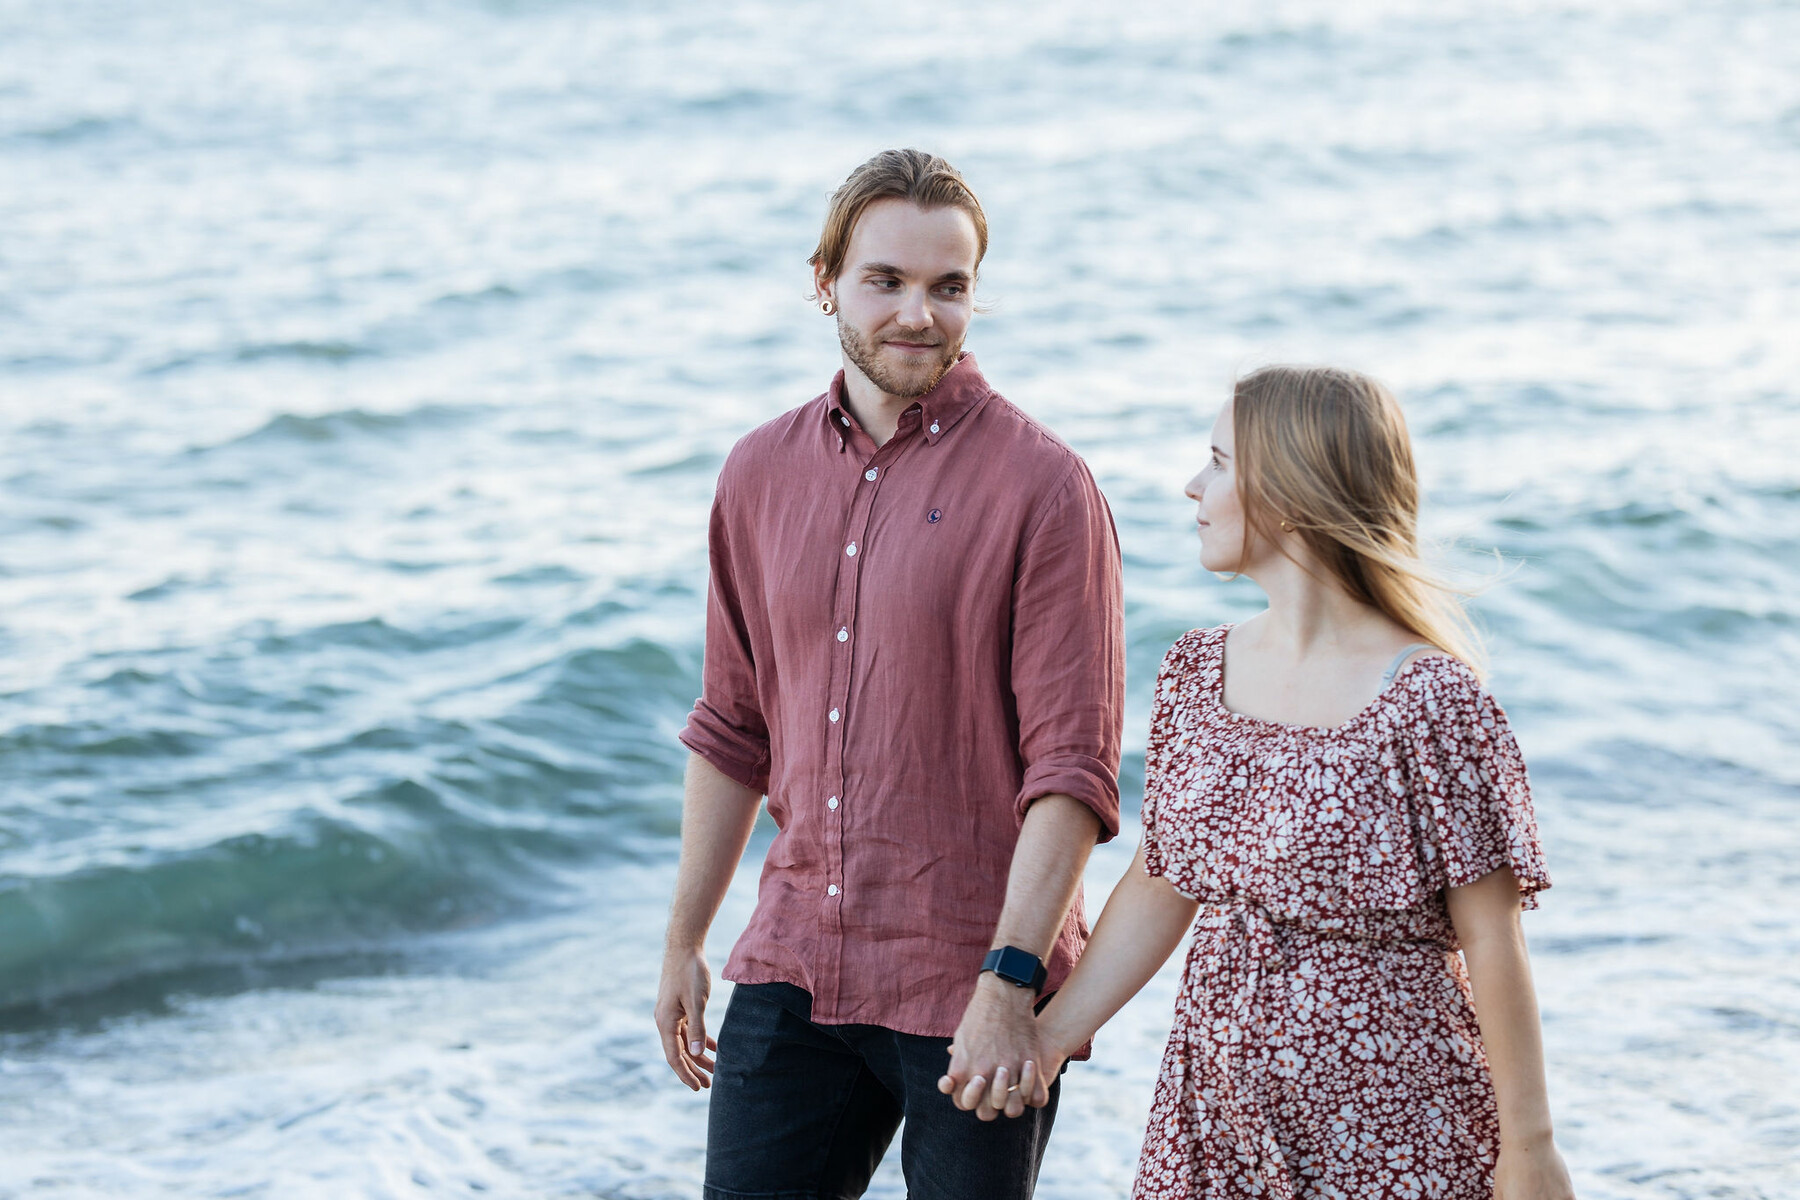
x=1193, y=651
x=1436, y=687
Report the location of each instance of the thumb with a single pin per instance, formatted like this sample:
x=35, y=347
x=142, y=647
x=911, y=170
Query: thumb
x=696, y=1025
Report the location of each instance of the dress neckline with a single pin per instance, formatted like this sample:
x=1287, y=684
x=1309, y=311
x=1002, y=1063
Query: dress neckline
x=1216, y=694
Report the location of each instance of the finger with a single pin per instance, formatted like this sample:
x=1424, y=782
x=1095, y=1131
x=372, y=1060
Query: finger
x=678, y=1063
x=1040, y=1087
x=970, y=1096
x=690, y=1074
x=997, y=1094
x=957, y=1073
x=697, y=1038
x=1015, y=1103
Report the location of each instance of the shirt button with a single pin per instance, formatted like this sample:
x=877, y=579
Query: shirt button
x=833, y=715
x=850, y=549
x=843, y=635
x=832, y=804
x=934, y=427
x=846, y=421
x=870, y=474
x=832, y=890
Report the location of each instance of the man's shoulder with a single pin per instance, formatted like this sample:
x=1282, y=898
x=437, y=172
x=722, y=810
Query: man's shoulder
x=1022, y=436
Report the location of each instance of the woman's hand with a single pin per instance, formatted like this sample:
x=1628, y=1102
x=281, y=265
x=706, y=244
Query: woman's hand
x=1532, y=1173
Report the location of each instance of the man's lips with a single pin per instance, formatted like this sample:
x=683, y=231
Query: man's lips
x=914, y=346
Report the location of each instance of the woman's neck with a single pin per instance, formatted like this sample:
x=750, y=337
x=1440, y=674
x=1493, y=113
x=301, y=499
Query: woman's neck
x=1308, y=612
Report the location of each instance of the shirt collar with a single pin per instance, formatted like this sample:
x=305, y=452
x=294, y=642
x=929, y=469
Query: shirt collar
x=957, y=394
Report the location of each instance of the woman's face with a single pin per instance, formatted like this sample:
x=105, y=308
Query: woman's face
x=1221, y=513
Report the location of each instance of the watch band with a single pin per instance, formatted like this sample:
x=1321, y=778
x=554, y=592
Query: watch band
x=1021, y=968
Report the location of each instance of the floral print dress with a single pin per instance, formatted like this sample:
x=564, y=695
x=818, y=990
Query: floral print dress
x=1324, y=1042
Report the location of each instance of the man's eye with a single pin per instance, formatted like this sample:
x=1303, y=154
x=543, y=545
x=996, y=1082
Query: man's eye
x=952, y=290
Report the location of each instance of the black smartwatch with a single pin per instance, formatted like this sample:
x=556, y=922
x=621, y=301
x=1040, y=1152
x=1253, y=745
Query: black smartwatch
x=1021, y=968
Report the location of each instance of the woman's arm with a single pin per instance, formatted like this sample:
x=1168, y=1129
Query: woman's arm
x=1486, y=916
x=1140, y=927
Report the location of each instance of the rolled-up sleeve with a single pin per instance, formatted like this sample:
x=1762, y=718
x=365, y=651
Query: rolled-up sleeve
x=1068, y=651
x=727, y=727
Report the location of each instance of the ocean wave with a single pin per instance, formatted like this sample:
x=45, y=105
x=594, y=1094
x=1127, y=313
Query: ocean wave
x=439, y=821
x=407, y=862
x=346, y=425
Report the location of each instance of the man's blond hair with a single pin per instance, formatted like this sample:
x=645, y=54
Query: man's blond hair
x=924, y=179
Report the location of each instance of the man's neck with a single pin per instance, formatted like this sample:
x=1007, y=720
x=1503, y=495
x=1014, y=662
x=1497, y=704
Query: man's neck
x=878, y=412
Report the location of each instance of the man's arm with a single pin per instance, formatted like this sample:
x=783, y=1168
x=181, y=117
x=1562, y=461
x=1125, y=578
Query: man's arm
x=998, y=1034
x=717, y=814
x=1068, y=678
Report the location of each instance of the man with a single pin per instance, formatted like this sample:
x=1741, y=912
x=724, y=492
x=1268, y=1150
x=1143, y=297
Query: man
x=914, y=647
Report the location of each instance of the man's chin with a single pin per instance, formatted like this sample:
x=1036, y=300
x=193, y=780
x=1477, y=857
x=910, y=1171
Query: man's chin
x=913, y=380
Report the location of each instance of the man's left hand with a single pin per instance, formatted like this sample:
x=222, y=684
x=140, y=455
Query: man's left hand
x=995, y=1058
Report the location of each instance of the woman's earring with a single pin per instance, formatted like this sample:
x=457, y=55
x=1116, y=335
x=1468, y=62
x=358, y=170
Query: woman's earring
x=827, y=307
x=1287, y=526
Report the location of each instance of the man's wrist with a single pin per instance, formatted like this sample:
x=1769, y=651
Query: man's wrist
x=1019, y=968
x=998, y=987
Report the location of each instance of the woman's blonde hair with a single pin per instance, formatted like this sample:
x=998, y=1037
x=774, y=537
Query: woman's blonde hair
x=1324, y=453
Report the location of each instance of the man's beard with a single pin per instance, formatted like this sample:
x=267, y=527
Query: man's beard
x=906, y=384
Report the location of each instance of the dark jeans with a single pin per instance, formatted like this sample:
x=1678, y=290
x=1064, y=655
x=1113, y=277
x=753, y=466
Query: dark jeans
x=804, y=1112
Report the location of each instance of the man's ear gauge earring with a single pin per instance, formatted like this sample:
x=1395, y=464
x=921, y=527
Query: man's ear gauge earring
x=827, y=307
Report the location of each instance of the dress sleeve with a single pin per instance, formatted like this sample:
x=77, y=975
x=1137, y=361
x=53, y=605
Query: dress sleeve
x=1473, y=797
x=1156, y=752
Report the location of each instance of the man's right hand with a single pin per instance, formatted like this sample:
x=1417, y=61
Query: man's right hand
x=681, y=1017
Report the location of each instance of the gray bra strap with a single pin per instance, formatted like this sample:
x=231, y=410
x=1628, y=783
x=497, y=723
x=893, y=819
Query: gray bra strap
x=1394, y=667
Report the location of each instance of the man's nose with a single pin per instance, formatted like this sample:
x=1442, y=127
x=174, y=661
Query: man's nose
x=915, y=312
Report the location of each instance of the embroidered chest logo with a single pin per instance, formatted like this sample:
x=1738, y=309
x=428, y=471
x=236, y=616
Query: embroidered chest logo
x=934, y=516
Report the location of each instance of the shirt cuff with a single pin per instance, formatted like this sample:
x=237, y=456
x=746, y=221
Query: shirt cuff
x=1085, y=779
x=737, y=755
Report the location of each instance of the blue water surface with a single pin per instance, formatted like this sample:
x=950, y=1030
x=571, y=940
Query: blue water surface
x=365, y=369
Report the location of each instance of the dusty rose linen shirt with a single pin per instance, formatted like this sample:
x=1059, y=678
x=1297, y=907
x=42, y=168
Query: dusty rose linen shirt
x=905, y=646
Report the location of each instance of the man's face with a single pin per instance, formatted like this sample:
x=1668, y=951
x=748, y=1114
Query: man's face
x=905, y=294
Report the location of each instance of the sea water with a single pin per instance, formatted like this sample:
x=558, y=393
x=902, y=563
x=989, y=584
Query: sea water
x=365, y=370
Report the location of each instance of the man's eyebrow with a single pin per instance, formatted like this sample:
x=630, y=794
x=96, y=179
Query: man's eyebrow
x=879, y=268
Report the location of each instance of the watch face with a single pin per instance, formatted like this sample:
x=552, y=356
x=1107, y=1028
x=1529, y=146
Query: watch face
x=1016, y=966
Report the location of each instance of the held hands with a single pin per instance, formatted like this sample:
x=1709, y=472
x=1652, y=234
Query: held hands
x=681, y=1017
x=997, y=1062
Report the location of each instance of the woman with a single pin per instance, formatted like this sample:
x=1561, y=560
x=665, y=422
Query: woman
x=1334, y=791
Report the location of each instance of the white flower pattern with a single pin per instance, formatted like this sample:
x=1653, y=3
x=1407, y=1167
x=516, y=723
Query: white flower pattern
x=1324, y=1042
